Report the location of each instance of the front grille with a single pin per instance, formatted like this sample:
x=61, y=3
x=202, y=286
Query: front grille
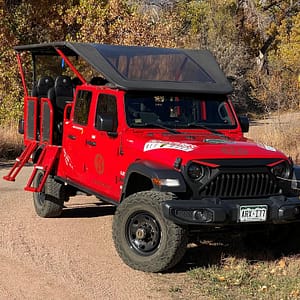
x=240, y=185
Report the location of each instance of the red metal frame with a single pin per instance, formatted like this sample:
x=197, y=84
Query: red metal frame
x=203, y=110
x=67, y=107
x=21, y=161
x=22, y=74
x=45, y=162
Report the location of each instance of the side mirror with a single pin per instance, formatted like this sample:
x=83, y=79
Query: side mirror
x=244, y=122
x=108, y=123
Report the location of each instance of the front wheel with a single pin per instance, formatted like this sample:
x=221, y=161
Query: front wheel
x=143, y=237
x=49, y=202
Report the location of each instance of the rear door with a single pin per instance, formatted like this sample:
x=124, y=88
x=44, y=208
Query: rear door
x=74, y=137
x=102, y=147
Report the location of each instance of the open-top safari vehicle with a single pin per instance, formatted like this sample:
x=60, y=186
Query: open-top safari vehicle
x=152, y=131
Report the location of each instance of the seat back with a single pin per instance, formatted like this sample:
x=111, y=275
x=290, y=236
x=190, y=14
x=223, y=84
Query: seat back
x=63, y=88
x=43, y=86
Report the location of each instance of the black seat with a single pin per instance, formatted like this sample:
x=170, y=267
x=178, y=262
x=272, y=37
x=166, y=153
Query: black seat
x=63, y=88
x=60, y=95
x=43, y=85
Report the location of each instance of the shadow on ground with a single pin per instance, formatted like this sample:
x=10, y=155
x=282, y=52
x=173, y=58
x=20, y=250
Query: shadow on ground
x=6, y=164
x=212, y=252
x=90, y=211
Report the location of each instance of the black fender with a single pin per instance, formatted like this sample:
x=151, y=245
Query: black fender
x=156, y=173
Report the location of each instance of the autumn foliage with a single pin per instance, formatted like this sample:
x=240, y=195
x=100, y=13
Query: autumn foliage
x=257, y=43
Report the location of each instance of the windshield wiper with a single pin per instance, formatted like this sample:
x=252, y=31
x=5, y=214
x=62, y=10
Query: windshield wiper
x=200, y=125
x=174, y=131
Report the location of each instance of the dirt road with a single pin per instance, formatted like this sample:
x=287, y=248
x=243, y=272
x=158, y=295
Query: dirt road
x=71, y=257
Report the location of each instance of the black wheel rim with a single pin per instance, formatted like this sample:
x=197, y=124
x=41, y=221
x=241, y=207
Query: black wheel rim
x=143, y=233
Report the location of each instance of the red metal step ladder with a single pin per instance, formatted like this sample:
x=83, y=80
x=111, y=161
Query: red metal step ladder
x=45, y=162
x=21, y=161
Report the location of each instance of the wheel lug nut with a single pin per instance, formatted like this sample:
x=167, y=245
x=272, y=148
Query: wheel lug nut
x=140, y=233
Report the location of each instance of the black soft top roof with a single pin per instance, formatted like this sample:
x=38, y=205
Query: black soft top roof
x=146, y=68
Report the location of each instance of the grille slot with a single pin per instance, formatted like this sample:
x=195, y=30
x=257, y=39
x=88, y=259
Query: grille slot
x=239, y=185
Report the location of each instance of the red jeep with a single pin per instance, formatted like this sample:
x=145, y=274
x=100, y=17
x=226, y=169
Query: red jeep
x=152, y=131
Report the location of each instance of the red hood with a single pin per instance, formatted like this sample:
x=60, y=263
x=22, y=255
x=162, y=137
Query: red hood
x=165, y=148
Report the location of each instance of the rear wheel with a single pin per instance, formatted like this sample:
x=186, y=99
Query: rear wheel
x=143, y=237
x=49, y=202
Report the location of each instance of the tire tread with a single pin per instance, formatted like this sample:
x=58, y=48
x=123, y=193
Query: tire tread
x=54, y=198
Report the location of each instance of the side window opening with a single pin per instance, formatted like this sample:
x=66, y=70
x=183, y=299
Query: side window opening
x=106, y=114
x=82, y=107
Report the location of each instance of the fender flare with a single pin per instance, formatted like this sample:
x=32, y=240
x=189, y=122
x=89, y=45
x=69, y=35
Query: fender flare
x=153, y=170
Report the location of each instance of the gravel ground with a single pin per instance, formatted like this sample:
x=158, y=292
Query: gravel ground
x=71, y=257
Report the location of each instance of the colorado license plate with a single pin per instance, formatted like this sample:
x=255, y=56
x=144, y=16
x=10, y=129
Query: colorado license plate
x=253, y=213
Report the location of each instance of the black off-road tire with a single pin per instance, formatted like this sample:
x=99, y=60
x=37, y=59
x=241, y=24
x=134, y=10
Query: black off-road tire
x=48, y=203
x=143, y=237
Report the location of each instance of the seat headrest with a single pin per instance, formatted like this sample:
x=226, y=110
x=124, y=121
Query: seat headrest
x=43, y=85
x=63, y=87
x=63, y=82
x=63, y=91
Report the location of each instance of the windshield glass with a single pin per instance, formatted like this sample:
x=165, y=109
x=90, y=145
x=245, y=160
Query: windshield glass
x=155, y=64
x=178, y=111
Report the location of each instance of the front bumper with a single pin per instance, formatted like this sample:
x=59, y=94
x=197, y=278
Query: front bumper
x=217, y=212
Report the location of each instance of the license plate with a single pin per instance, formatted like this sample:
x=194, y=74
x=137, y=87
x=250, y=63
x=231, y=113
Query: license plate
x=253, y=213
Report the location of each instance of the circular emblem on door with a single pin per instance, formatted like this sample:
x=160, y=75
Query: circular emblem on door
x=99, y=163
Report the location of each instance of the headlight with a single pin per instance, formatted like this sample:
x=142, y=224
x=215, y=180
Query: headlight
x=196, y=172
x=282, y=170
x=166, y=182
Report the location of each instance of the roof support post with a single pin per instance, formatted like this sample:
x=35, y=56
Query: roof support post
x=22, y=74
x=70, y=65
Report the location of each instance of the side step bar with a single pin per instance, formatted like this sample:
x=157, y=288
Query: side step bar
x=21, y=161
x=45, y=162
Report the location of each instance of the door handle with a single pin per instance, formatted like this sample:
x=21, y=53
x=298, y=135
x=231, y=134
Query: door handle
x=91, y=143
x=72, y=137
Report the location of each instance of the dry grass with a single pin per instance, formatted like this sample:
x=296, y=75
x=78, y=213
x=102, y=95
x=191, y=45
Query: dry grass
x=237, y=278
x=232, y=267
x=11, y=142
x=280, y=131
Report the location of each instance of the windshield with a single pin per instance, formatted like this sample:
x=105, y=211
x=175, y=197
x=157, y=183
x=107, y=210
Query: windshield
x=155, y=64
x=178, y=111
